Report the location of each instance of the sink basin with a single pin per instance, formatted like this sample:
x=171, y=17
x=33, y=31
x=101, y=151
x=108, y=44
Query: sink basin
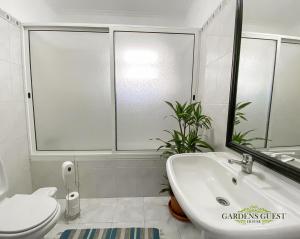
x=213, y=194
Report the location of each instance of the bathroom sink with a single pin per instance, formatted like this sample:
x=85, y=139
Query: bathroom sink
x=212, y=192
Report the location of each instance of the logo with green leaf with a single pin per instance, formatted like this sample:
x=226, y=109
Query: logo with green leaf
x=254, y=215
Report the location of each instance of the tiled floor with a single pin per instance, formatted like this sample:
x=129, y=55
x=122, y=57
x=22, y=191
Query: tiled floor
x=128, y=212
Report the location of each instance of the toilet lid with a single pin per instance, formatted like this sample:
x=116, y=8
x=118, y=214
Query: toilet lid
x=24, y=212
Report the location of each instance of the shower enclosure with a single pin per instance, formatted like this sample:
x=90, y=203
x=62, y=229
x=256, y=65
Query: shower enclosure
x=96, y=97
x=269, y=69
x=102, y=89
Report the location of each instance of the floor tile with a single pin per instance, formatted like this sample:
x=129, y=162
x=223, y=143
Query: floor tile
x=129, y=210
x=94, y=225
x=60, y=228
x=128, y=224
x=95, y=211
x=57, y=230
x=167, y=228
x=188, y=231
x=156, y=209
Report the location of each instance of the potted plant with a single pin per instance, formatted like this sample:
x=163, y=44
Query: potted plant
x=187, y=138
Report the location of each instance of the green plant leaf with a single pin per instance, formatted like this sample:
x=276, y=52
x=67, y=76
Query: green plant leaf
x=186, y=138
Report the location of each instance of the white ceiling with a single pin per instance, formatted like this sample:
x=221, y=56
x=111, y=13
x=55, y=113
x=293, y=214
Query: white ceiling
x=272, y=13
x=160, y=8
x=137, y=12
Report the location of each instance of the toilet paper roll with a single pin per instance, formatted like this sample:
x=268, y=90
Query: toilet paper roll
x=68, y=174
x=72, y=206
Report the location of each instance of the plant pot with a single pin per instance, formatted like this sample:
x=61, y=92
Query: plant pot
x=176, y=210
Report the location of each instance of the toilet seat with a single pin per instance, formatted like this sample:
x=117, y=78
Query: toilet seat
x=23, y=213
x=37, y=232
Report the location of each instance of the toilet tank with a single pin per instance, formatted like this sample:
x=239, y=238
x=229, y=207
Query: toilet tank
x=3, y=181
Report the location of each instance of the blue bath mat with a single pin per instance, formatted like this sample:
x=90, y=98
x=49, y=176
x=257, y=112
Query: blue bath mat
x=112, y=233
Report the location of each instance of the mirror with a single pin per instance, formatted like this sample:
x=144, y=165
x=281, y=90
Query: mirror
x=264, y=110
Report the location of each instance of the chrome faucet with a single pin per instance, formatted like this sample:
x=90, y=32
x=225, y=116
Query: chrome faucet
x=246, y=163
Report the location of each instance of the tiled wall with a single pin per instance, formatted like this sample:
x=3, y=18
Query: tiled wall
x=101, y=177
x=216, y=49
x=45, y=12
x=13, y=133
x=200, y=11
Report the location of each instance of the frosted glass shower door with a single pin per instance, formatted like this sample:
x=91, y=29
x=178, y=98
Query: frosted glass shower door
x=150, y=68
x=256, y=72
x=71, y=90
x=285, y=117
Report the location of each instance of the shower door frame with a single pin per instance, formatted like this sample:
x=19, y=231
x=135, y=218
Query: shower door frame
x=110, y=29
x=279, y=40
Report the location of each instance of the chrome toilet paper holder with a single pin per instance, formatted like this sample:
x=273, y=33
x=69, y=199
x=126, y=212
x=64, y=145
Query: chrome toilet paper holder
x=71, y=182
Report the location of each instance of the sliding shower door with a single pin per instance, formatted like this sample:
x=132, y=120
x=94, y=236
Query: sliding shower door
x=285, y=117
x=150, y=68
x=256, y=73
x=71, y=90
x=71, y=81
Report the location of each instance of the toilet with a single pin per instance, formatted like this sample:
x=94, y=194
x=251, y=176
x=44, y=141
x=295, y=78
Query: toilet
x=27, y=215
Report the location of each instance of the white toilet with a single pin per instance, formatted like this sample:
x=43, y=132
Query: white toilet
x=27, y=216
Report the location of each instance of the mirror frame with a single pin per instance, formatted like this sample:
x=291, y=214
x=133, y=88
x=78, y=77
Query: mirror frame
x=280, y=167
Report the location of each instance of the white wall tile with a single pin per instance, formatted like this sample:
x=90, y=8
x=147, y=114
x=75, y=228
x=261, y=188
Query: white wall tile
x=5, y=123
x=15, y=45
x=46, y=172
x=141, y=163
x=5, y=81
x=18, y=121
x=120, y=178
x=150, y=181
x=219, y=125
x=95, y=161
x=17, y=83
x=212, y=48
x=14, y=150
x=210, y=83
x=223, y=79
x=4, y=40
x=216, y=51
x=100, y=177
x=14, y=153
x=97, y=182
x=200, y=11
x=126, y=181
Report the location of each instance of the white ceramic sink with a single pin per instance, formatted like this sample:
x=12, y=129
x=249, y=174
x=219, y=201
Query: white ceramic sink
x=198, y=180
